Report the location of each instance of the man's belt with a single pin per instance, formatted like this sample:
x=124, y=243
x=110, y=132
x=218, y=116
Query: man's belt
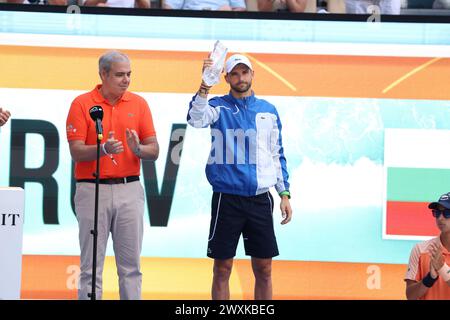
x=112, y=180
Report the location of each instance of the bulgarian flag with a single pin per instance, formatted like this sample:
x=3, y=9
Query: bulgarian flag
x=417, y=172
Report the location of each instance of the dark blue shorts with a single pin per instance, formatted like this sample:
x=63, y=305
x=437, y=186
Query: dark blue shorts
x=233, y=215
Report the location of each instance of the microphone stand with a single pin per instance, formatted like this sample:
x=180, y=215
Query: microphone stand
x=94, y=232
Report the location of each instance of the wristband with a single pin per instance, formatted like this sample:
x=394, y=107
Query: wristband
x=285, y=193
x=108, y=154
x=444, y=272
x=104, y=149
x=203, y=90
x=428, y=281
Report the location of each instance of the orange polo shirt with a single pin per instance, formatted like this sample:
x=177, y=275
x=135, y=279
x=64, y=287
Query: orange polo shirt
x=131, y=112
x=419, y=266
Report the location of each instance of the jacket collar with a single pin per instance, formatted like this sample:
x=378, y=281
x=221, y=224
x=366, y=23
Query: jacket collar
x=98, y=98
x=242, y=102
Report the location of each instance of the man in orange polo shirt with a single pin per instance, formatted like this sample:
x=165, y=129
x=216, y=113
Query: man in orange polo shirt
x=131, y=136
x=428, y=275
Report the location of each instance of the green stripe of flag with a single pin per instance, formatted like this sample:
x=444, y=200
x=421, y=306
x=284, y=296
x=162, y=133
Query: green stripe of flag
x=417, y=184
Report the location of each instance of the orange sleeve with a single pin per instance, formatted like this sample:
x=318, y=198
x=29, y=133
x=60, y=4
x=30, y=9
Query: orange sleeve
x=76, y=124
x=146, y=127
x=413, y=265
x=419, y=274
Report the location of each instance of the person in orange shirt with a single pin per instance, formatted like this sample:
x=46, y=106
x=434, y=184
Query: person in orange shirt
x=428, y=275
x=131, y=137
x=4, y=116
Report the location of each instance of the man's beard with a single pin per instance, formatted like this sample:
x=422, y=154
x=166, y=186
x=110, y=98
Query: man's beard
x=242, y=90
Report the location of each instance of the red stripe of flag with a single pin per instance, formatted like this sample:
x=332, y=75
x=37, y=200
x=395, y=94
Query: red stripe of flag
x=410, y=219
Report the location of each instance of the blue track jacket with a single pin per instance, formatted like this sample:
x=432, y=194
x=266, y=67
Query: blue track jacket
x=246, y=155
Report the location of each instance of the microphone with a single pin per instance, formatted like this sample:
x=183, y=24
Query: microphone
x=96, y=113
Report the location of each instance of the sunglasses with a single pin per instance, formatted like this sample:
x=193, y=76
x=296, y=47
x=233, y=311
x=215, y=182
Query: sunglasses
x=437, y=213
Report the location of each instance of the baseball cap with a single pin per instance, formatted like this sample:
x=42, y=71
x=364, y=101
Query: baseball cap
x=444, y=201
x=234, y=60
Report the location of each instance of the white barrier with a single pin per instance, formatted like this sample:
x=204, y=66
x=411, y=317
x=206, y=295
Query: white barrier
x=12, y=201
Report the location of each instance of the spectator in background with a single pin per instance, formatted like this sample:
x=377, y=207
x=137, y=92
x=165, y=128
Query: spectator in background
x=282, y=5
x=44, y=2
x=117, y=3
x=220, y=5
x=361, y=6
x=441, y=4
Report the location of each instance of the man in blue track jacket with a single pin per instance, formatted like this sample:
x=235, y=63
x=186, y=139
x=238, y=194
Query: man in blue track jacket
x=246, y=159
